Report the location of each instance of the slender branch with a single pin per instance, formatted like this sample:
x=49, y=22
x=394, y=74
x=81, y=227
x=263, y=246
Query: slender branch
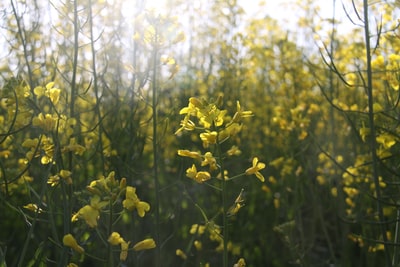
x=155, y=149
x=372, y=139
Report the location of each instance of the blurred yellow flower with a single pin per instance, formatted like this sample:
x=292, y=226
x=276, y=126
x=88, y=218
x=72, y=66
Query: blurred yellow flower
x=148, y=243
x=181, y=254
x=69, y=241
x=190, y=154
x=257, y=166
x=33, y=207
x=240, y=263
x=124, y=250
x=115, y=239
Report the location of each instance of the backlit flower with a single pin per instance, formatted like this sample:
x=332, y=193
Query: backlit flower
x=124, y=250
x=257, y=166
x=115, y=239
x=90, y=213
x=132, y=202
x=148, y=243
x=209, y=138
x=209, y=160
x=69, y=241
x=188, y=153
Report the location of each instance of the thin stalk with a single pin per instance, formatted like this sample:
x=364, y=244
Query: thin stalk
x=224, y=205
x=372, y=140
x=22, y=36
x=396, y=240
x=110, y=230
x=96, y=87
x=155, y=149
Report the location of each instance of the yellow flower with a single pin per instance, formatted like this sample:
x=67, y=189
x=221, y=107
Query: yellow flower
x=255, y=169
x=240, y=263
x=181, y=254
x=115, y=239
x=202, y=177
x=234, y=151
x=198, y=245
x=386, y=140
x=240, y=114
x=209, y=160
x=199, y=177
x=47, y=122
x=90, y=213
x=209, y=138
x=33, y=207
x=69, y=241
x=197, y=229
x=124, y=250
x=188, y=153
x=186, y=124
x=132, y=202
x=142, y=207
x=148, y=243
x=191, y=172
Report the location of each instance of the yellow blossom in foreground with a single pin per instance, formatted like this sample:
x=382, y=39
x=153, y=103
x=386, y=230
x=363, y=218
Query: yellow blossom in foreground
x=115, y=239
x=199, y=177
x=209, y=138
x=240, y=113
x=124, y=250
x=148, y=243
x=209, y=160
x=132, y=202
x=69, y=241
x=72, y=265
x=47, y=122
x=257, y=166
x=188, y=153
x=90, y=213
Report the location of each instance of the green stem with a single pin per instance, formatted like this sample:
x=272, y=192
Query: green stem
x=224, y=205
x=372, y=141
x=155, y=149
x=110, y=230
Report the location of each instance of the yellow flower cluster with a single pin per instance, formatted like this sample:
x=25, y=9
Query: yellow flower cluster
x=216, y=127
x=116, y=239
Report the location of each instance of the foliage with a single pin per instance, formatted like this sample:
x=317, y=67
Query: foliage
x=131, y=136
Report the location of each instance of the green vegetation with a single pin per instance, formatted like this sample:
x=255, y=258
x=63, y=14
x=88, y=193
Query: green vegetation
x=196, y=136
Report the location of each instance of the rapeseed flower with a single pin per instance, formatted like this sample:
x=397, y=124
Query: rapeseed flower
x=209, y=138
x=132, y=202
x=90, y=213
x=241, y=263
x=115, y=239
x=70, y=241
x=148, y=243
x=181, y=254
x=190, y=154
x=209, y=160
x=199, y=177
x=257, y=166
x=124, y=250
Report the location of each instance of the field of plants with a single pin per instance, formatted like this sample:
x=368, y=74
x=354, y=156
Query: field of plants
x=197, y=135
